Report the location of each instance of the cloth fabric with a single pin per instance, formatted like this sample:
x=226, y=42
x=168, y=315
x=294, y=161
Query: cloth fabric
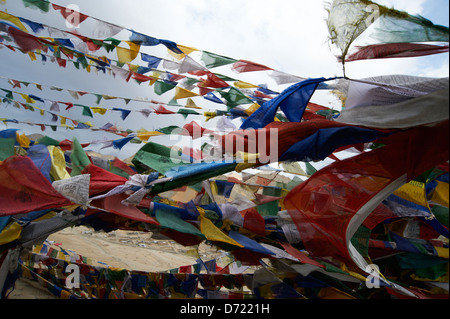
x=23, y=188
x=344, y=188
x=292, y=102
x=427, y=109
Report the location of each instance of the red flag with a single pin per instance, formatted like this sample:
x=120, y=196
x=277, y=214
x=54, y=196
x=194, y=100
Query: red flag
x=248, y=66
x=213, y=81
x=203, y=90
x=123, y=166
x=395, y=50
x=141, y=77
x=25, y=41
x=162, y=110
x=185, y=269
x=299, y=255
x=102, y=180
x=66, y=145
x=195, y=130
x=254, y=222
x=24, y=189
x=62, y=63
x=329, y=207
x=289, y=133
x=113, y=205
x=72, y=16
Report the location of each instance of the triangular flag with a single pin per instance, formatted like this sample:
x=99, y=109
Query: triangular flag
x=184, y=51
x=191, y=104
x=188, y=65
x=244, y=85
x=181, y=93
x=248, y=66
x=162, y=87
x=213, y=60
x=127, y=55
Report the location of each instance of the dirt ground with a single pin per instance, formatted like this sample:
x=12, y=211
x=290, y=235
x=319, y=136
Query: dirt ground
x=120, y=249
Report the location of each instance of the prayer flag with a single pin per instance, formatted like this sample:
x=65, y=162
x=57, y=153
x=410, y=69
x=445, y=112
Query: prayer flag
x=23, y=188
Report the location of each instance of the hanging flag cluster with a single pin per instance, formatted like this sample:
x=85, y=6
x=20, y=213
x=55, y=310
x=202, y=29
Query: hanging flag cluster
x=371, y=226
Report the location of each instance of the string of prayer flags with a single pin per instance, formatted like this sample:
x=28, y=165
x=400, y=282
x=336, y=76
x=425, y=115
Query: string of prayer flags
x=323, y=233
x=12, y=19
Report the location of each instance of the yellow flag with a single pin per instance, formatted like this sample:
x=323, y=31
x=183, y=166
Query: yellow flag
x=193, y=252
x=440, y=194
x=414, y=192
x=23, y=140
x=127, y=55
x=209, y=115
x=144, y=136
x=133, y=67
x=14, y=20
x=252, y=108
x=32, y=56
x=244, y=85
x=247, y=157
x=191, y=104
x=243, y=166
x=214, y=188
x=27, y=98
x=186, y=51
x=98, y=110
x=181, y=93
x=213, y=233
x=10, y=233
x=58, y=169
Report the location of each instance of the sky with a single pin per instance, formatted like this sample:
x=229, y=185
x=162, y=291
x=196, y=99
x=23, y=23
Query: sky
x=287, y=35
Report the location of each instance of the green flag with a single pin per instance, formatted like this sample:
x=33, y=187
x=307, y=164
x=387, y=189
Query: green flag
x=186, y=112
x=44, y=5
x=78, y=157
x=155, y=156
x=162, y=87
x=170, y=220
x=6, y=148
x=213, y=60
x=235, y=97
x=87, y=111
x=310, y=169
x=48, y=141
